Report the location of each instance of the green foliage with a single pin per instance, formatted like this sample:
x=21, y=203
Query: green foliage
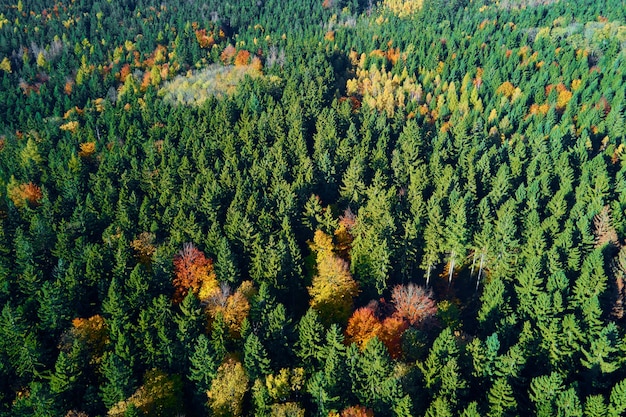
x=310, y=340
x=501, y=400
x=476, y=148
x=255, y=358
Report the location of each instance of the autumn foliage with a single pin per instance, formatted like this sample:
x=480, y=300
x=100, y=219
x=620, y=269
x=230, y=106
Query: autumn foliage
x=357, y=411
x=413, y=303
x=87, y=149
x=343, y=234
x=233, y=307
x=25, y=194
x=228, y=54
x=193, y=271
x=364, y=325
x=333, y=287
x=204, y=40
x=391, y=334
x=124, y=72
x=160, y=394
x=242, y=58
x=144, y=247
x=93, y=332
x=403, y=8
x=228, y=389
x=69, y=85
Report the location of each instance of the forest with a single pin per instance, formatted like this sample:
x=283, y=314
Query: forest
x=338, y=208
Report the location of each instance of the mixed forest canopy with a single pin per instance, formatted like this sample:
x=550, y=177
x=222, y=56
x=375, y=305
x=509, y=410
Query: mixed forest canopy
x=326, y=208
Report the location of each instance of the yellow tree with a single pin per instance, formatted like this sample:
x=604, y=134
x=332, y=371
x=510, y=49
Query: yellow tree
x=228, y=389
x=333, y=287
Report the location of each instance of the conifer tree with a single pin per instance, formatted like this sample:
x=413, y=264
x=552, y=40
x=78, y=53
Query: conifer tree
x=203, y=366
x=310, y=340
x=255, y=359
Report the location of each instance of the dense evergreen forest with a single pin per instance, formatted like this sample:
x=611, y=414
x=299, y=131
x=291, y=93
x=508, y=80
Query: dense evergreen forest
x=326, y=208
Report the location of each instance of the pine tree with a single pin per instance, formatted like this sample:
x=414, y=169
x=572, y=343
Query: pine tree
x=595, y=406
x=261, y=399
x=310, y=339
x=202, y=368
x=19, y=343
x=484, y=355
x=119, y=382
x=601, y=358
x=67, y=380
x=568, y=404
x=433, y=238
x=255, y=358
x=372, y=379
x=189, y=326
x=471, y=410
x=218, y=337
x=617, y=400
x=544, y=391
x=501, y=400
x=456, y=233
x=373, y=248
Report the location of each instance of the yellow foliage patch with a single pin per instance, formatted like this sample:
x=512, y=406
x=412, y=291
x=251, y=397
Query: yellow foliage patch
x=228, y=389
x=383, y=90
x=87, y=149
x=69, y=126
x=195, y=88
x=403, y=8
x=160, y=394
x=333, y=288
x=506, y=89
x=563, y=98
x=5, y=65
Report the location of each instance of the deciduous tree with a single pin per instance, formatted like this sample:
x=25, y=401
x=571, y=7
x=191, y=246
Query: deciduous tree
x=333, y=287
x=228, y=389
x=193, y=271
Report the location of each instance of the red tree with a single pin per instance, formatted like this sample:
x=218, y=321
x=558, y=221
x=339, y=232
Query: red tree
x=193, y=271
x=391, y=334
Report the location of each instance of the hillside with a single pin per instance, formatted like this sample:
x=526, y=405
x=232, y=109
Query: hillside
x=329, y=208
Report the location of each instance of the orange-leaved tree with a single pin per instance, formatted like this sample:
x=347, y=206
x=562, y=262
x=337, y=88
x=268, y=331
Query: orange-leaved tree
x=24, y=195
x=242, y=58
x=233, y=307
x=391, y=334
x=333, y=288
x=357, y=411
x=193, y=271
x=363, y=326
